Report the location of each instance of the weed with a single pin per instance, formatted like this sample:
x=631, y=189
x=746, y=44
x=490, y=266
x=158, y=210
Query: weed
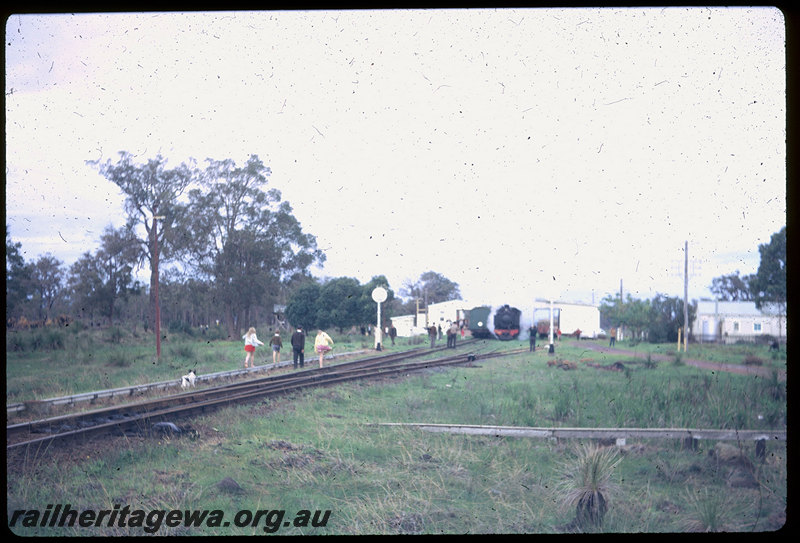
x=563, y=404
x=710, y=510
x=119, y=359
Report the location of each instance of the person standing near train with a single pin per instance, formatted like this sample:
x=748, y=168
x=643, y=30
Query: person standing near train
x=250, y=343
x=532, y=338
x=432, y=332
x=453, y=334
x=298, y=347
x=322, y=344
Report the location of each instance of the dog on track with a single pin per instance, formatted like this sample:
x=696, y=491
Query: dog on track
x=189, y=379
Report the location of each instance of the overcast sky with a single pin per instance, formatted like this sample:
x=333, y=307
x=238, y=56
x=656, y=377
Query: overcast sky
x=521, y=153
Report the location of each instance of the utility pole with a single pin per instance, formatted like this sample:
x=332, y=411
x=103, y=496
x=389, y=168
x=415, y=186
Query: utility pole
x=157, y=324
x=686, y=296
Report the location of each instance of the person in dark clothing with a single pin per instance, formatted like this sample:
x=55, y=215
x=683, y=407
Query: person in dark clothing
x=432, y=332
x=392, y=333
x=452, y=334
x=532, y=338
x=298, y=347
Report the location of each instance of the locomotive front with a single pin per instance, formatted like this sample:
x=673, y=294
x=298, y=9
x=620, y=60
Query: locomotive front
x=506, y=322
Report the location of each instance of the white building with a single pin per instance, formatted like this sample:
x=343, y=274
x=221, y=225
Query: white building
x=730, y=322
x=441, y=314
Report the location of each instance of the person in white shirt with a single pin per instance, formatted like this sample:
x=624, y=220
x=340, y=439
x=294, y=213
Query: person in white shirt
x=250, y=343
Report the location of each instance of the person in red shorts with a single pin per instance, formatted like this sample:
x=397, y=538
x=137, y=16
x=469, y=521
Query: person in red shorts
x=250, y=343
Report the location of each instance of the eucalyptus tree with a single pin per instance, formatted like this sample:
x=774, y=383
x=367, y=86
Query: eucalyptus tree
x=98, y=282
x=47, y=281
x=152, y=190
x=18, y=275
x=431, y=287
x=768, y=285
x=732, y=287
x=244, y=238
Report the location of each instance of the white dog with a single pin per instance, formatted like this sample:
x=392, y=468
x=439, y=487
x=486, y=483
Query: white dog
x=188, y=379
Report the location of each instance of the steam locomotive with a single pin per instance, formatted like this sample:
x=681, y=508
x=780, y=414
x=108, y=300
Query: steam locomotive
x=503, y=323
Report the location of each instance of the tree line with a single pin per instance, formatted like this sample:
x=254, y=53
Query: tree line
x=225, y=249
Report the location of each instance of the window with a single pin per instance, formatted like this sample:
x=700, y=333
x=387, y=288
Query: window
x=757, y=327
x=735, y=326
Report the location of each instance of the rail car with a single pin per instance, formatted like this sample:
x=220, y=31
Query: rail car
x=506, y=322
x=479, y=322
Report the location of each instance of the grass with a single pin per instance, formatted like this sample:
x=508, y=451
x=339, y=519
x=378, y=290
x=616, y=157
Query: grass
x=321, y=451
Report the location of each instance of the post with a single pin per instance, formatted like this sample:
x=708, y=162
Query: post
x=379, y=295
x=686, y=296
x=157, y=324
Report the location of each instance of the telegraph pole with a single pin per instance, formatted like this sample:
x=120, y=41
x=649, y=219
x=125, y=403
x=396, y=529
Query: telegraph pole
x=685, y=296
x=157, y=324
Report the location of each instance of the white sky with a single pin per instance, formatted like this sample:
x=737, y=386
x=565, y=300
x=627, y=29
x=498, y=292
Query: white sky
x=500, y=148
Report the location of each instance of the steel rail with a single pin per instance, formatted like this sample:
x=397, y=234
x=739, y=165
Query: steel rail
x=127, y=411
x=86, y=424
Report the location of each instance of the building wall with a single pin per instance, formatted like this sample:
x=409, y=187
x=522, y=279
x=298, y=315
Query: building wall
x=735, y=321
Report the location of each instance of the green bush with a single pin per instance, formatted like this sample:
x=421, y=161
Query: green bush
x=16, y=342
x=114, y=334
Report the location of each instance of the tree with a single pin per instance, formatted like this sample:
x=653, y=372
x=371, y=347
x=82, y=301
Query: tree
x=301, y=309
x=666, y=317
x=117, y=256
x=302, y=305
x=432, y=287
x=658, y=319
x=85, y=286
x=244, y=238
x=732, y=287
x=152, y=190
x=47, y=278
x=17, y=278
x=769, y=283
x=368, y=307
x=97, y=282
x=338, y=303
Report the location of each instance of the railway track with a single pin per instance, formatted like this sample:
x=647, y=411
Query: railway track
x=157, y=415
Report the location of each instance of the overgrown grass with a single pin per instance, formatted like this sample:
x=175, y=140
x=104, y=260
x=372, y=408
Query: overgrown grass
x=54, y=362
x=323, y=450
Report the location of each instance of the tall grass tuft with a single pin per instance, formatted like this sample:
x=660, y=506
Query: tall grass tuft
x=587, y=483
x=710, y=511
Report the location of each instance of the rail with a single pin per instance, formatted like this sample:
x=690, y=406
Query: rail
x=140, y=415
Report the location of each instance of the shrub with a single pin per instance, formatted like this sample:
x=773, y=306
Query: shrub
x=587, y=483
x=710, y=511
x=119, y=359
x=16, y=342
x=53, y=339
x=753, y=360
x=114, y=334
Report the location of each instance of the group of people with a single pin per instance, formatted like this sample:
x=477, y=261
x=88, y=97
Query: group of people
x=322, y=344
x=452, y=333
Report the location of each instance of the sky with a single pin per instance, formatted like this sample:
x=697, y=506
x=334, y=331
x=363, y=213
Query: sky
x=521, y=153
